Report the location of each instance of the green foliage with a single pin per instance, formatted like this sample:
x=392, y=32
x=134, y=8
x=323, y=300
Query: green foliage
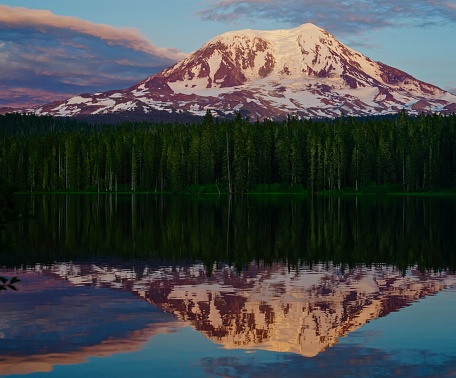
x=44, y=154
x=203, y=189
x=279, y=188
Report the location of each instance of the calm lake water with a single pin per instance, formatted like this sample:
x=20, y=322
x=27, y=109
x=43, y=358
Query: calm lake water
x=268, y=286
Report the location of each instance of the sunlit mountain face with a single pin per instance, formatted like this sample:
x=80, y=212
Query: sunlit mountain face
x=304, y=72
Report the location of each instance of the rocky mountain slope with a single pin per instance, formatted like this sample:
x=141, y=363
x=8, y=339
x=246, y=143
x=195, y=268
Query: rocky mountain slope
x=303, y=71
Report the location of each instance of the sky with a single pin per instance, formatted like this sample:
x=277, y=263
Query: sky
x=51, y=50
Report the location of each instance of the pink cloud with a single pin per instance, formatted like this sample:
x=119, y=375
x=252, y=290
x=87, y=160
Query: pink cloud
x=45, y=57
x=128, y=37
x=19, y=97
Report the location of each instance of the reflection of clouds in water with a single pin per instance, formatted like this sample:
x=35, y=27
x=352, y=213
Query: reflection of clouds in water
x=45, y=362
x=52, y=322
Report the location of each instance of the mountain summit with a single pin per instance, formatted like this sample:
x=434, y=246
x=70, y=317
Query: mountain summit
x=303, y=71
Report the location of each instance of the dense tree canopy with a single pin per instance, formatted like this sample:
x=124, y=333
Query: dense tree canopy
x=401, y=152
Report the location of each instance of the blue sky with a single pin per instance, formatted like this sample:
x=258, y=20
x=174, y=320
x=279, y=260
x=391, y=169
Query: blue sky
x=96, y=45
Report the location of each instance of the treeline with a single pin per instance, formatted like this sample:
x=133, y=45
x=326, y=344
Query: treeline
x=401, y=152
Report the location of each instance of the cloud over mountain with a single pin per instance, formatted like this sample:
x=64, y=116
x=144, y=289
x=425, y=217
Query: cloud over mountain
x=343, y=17
x=44, y=56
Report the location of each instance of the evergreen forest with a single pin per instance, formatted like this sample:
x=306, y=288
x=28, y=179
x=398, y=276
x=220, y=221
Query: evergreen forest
x=396, y=153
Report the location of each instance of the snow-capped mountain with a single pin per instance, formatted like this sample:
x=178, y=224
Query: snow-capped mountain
x=303, y=71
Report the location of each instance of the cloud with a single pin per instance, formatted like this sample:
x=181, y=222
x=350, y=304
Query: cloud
x=46, y=57
x=42, y=19
x=339, y=17
x=450, y=86
x=13, y=96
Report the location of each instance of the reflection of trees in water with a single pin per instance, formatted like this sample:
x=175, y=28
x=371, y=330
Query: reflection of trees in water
x=237, y=230
x=9, y=213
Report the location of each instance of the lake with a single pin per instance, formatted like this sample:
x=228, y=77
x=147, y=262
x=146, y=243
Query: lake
x=240, y=286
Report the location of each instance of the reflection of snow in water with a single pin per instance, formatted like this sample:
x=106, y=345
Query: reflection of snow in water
x=302, y=311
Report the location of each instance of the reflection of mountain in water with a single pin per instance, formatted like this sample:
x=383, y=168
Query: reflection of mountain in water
x=303, y=311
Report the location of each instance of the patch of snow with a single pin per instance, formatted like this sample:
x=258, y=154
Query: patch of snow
x=105, y=102
x=79, y=100
x=130, y=105
x=214, y=64
x=138, y=93
x=450, y=97
x=197, y=86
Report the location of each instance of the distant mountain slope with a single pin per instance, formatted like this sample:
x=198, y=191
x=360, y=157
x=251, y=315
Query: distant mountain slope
x=303, y=71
